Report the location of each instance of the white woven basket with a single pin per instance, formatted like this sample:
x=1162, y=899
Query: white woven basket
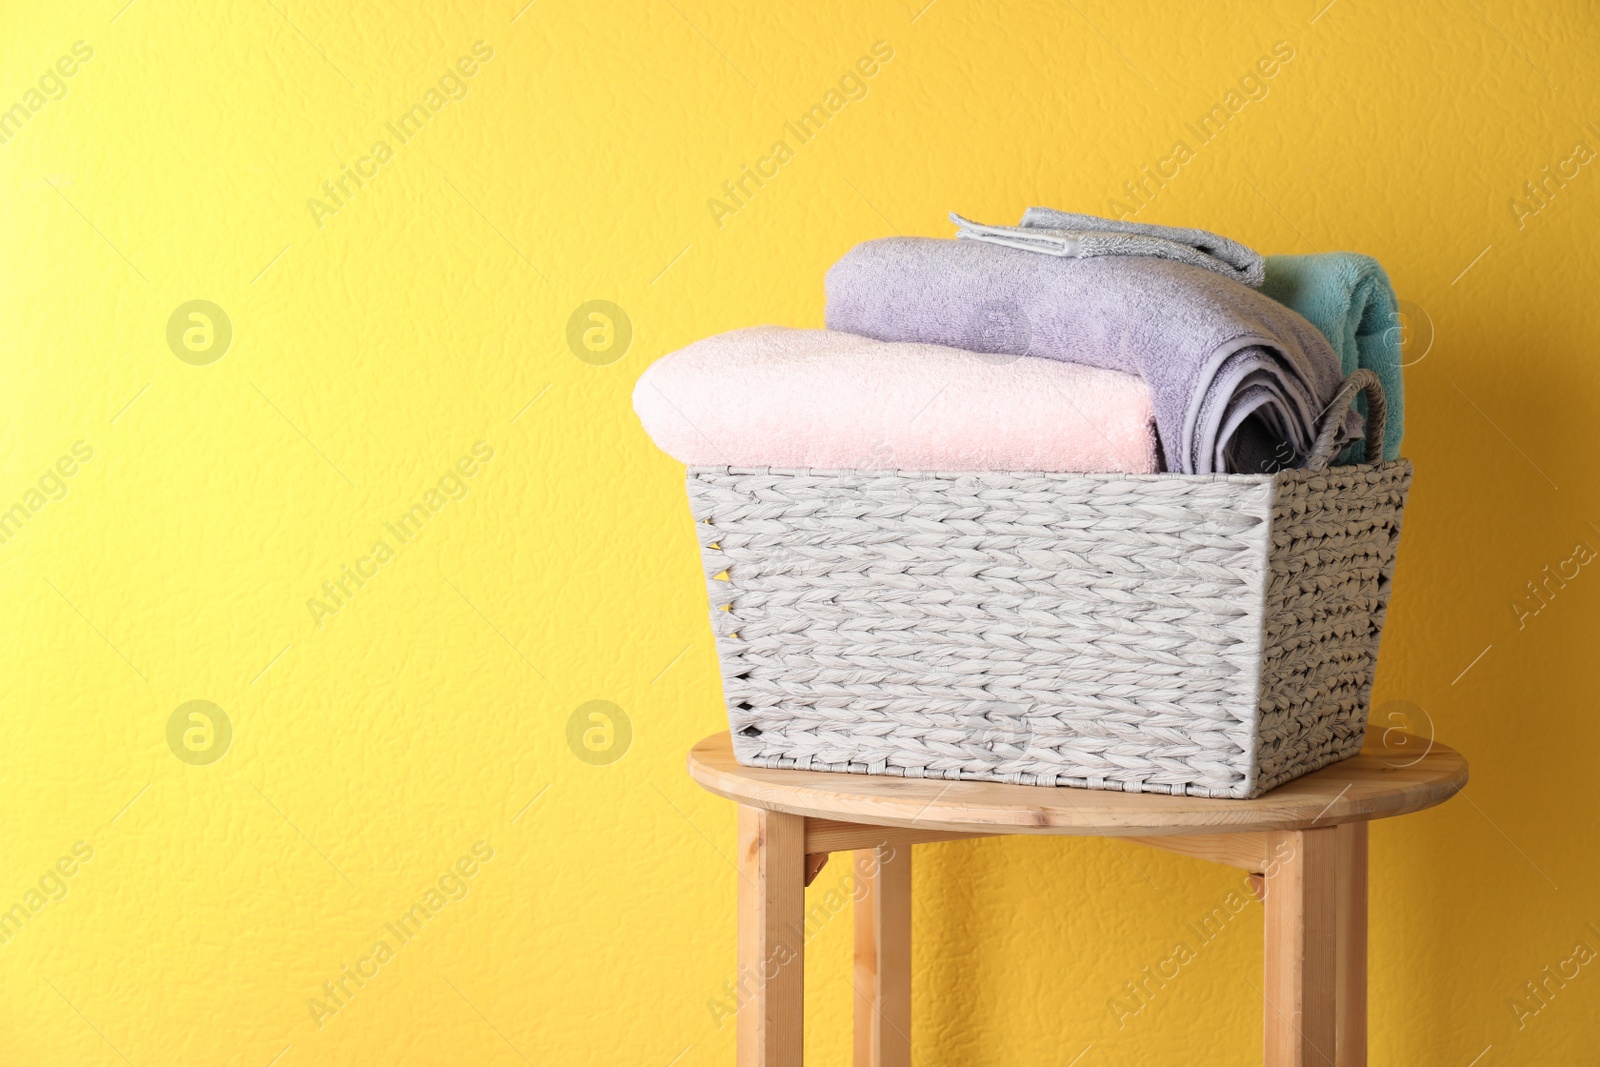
x=1214, y=635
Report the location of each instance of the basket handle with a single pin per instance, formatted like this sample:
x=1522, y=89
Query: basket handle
x=1362, y=380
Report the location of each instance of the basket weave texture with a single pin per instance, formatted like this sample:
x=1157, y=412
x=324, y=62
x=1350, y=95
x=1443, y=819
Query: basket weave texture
x=1207, y=635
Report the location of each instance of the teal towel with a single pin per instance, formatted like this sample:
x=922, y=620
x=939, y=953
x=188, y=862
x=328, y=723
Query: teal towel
x=1348, y=297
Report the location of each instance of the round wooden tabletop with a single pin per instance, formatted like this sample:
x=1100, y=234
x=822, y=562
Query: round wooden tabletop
x=1396, y=773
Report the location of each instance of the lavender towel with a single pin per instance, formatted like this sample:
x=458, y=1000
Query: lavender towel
x=1238, y=380
x=1060, y=233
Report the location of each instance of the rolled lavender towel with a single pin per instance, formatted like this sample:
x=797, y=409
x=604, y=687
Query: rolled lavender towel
x=1344, y=294
x=1060, y=233
x=825, y=400
x=1238, y=381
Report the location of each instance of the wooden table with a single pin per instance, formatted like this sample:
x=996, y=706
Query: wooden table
x=1306, y=841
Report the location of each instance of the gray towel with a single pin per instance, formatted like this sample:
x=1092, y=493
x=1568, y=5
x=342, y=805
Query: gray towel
x=1059, y=233
x=1238, y=380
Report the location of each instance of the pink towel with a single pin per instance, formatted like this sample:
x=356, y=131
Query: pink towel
x=827, y=400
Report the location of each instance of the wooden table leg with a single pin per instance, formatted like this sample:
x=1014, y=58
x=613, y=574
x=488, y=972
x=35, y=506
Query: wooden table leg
x=1300, y=968
x=1351, y=1043
x=772, y=862
x=883, y=957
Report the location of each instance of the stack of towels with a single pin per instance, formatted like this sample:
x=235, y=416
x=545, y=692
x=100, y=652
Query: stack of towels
x=1067, y=343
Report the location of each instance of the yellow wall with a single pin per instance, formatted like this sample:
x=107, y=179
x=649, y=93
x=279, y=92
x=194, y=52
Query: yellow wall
x=374, y=346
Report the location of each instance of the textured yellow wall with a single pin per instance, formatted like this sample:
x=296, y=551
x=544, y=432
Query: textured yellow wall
x=404, y=343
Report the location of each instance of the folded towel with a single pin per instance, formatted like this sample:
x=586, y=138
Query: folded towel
x=1348, y=297
x=776, y=397
x=1059, y=233
x=1238, y=381
x=1345, y=295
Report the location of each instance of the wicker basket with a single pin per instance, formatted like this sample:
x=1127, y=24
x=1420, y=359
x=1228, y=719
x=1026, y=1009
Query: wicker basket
x=1212, y=635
